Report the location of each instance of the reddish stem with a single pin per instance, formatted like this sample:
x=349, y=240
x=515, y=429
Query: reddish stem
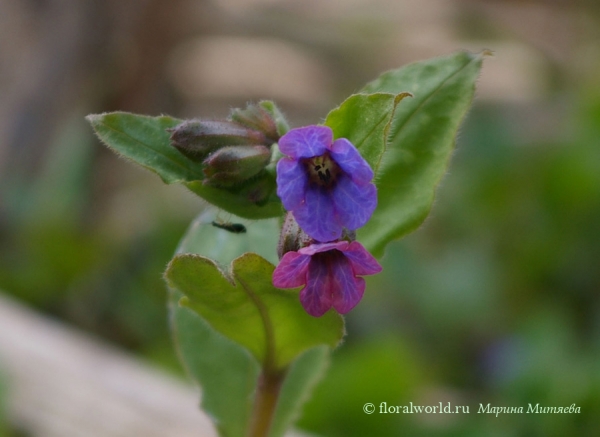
x=267, y=393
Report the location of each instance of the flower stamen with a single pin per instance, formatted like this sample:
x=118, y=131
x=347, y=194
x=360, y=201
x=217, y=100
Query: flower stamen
x=322, y=170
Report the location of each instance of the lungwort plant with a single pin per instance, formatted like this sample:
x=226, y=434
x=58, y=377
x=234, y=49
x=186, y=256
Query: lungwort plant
x=256, y=303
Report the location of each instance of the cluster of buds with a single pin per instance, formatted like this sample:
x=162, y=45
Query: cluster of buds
x=233, y=151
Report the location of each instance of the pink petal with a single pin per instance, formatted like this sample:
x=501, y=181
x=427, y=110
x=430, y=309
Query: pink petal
x=363, y=263
x=291, y=270
x=348, y=290
x=352, y=296
x=324, y=247
x=316, y=297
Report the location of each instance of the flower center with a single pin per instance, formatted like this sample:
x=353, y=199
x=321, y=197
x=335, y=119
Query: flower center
x=322, y=170
x=329, y=257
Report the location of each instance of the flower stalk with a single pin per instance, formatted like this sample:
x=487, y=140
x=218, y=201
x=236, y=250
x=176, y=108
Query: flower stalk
x=265, y=403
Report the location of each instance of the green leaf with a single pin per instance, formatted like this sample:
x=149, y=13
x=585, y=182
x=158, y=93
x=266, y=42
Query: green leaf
x=225, y=370
x=145, y=141
x=246, y=307
x=303, y=376
x=239, y=202
x=420, y=141
x=226, y=373
x=206, y=236
x=365, y=120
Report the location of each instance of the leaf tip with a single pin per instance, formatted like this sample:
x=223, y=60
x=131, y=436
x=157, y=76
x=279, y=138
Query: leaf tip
x=93, y=119
x=167, y=273
x=184, y=302
x=401, y=96
x=487, y=52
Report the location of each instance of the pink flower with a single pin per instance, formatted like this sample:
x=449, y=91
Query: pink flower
x=329, y=273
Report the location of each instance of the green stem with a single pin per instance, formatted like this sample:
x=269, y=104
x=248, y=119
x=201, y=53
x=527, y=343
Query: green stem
x=267, y=393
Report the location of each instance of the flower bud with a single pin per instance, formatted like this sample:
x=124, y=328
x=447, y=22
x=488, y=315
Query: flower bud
x=257, y=118
x=292, y=237
x=234, y=164
x=196, y=139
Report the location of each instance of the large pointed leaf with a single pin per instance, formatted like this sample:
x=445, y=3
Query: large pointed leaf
x=145, y=141
x=365, y=120
x=246, y=307
x=420, y=141
x=225, y=370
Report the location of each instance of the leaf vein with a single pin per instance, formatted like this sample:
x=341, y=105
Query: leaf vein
x=430, y=95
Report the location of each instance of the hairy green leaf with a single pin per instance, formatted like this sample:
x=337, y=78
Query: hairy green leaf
x=239, y=201
x=246, y=307
x=303, y=376
x=420, y=141
x=226, y=371
x=145, y=141
x=365, y=120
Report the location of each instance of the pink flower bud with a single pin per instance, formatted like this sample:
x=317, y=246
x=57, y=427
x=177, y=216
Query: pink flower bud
x=196, y=139
x=234, y=164
x=257, y=118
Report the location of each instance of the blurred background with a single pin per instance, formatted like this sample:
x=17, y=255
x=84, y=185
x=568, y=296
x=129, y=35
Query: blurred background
x=495, y=299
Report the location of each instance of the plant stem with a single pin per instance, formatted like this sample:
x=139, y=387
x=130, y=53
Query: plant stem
x=267, y=393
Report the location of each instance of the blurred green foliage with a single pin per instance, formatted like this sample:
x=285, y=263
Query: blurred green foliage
x=3, y=397
x=63, y=251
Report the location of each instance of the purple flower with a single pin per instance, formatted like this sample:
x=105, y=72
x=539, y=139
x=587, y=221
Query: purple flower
x=328, y=272
x=325, y=183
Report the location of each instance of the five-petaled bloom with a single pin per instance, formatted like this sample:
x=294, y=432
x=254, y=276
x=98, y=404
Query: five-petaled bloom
x=329, y=273
x=325, y=183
